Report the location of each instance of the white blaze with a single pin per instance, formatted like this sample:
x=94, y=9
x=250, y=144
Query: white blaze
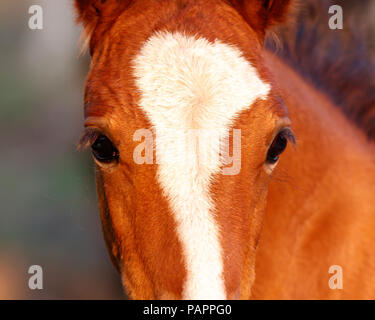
x=190, y=83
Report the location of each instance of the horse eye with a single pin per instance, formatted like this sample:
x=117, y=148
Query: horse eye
x=104, y=150
x=277, y=147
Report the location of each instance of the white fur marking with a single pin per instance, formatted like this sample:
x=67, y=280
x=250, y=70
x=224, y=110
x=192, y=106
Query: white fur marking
x=189, y=83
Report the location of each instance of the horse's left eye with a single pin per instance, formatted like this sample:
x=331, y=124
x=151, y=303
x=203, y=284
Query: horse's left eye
x=104, y=150
x=277, y=147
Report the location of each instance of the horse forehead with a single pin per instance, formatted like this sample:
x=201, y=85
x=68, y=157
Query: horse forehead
x=194, y=79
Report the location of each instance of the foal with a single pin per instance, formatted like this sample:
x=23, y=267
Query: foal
x=178, y=227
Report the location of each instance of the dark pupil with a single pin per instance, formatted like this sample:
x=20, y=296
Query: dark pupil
x=104, y=150
x=277, y=147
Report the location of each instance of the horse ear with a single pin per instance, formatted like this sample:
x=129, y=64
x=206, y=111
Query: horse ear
x=90, y=12
x=263, y=14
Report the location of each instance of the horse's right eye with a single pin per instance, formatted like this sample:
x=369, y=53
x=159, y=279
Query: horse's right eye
x=104, y=150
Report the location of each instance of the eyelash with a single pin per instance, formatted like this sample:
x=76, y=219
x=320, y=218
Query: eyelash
x=88, y=138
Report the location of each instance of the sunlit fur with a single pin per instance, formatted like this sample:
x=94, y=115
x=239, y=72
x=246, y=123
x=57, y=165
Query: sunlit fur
x=261, y=233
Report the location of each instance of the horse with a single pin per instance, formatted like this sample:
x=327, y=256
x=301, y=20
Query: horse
x=176, y=223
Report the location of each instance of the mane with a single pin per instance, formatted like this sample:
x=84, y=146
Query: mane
x=335, y=61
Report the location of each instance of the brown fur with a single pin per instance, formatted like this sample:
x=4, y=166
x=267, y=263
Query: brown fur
x=319, y=210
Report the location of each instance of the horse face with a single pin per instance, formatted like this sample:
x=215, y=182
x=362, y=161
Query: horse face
x=186, y=128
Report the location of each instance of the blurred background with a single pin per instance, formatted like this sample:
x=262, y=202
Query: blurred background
x=48, y=214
